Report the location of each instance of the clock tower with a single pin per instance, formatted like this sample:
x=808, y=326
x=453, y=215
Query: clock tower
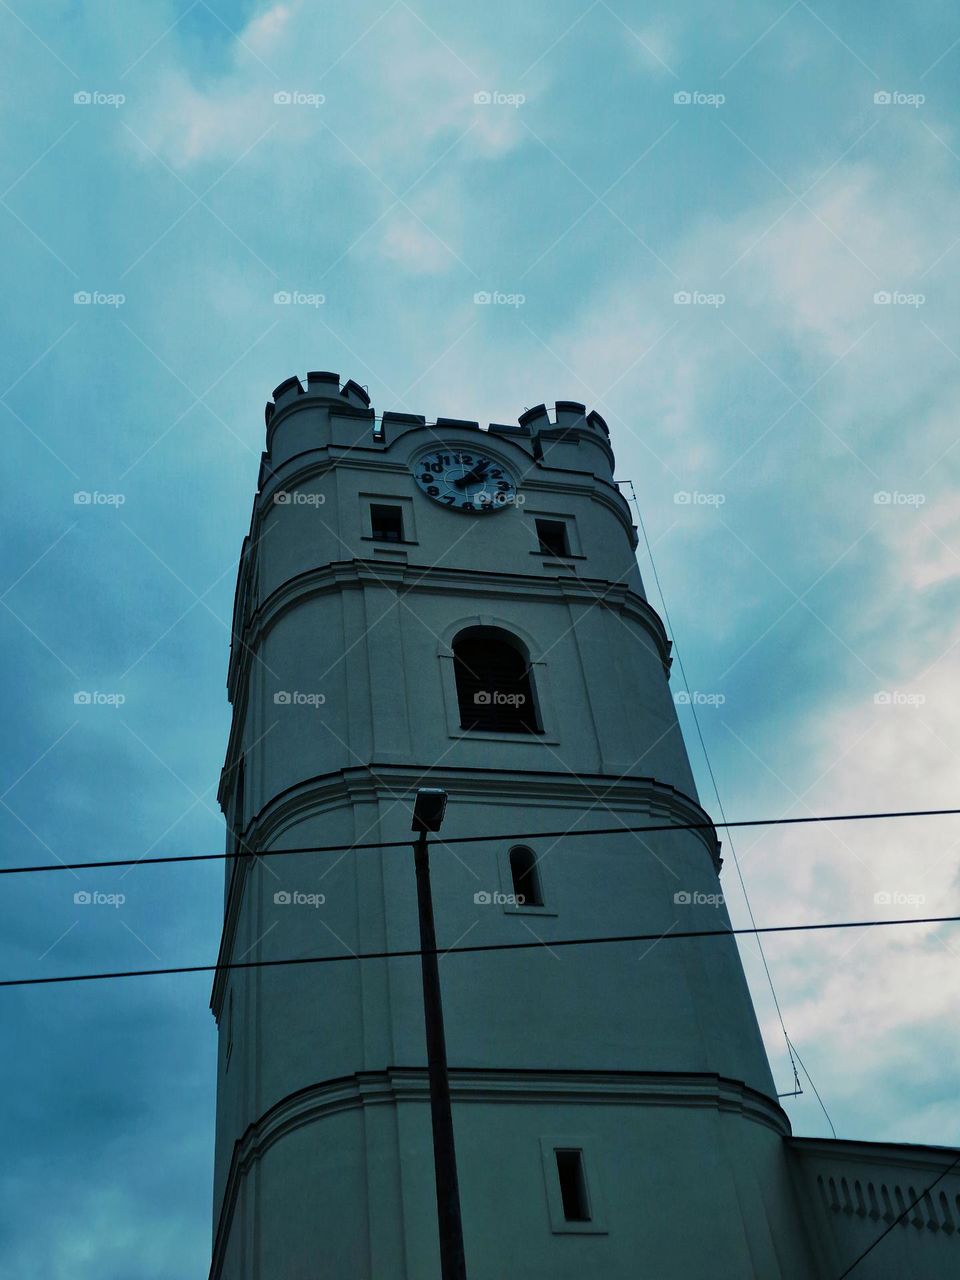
x=436, y=604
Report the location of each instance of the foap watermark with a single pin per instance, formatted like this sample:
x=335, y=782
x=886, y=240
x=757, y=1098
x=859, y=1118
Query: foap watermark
x=897, y=698
x=295, y=298
x=698, y=699
x=694, y=898
x=485, y=498
x=897, y=98
x=94, y=698
x=496, y=298
x=294, y=498
x=697, y=98
x=94, y=498
x=298, y=98
x=494, y=698
x=497, y=98
x=694, y=498
x=95, y=298
x=897, y=898
x=494, y=898
x=897, y=298
x=94, y=898
x=295, y=898
x=894, y=498
x=697, y=298
x=97, y=98
x=294, y=698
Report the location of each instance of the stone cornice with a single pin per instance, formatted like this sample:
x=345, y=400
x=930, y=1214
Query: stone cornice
x=346, y=575
x=904, y=1155
x=323, y=458
x=398, y=1084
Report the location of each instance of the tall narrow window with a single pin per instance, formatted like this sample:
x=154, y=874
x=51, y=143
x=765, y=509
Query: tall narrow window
x=573, y=1186
x=239, y=801
x=553, y=538
x=229, y=1053
x=386, y=523
x=526, y=877
x=494, y=689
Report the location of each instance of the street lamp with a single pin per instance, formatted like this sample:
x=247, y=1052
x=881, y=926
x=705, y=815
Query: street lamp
x=428, y=813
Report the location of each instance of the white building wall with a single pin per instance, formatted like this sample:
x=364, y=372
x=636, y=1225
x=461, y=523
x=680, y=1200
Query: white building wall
x=650, y=1054
x=854, y=1193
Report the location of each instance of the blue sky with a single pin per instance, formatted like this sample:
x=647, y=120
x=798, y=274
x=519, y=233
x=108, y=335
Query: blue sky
x=819, y=620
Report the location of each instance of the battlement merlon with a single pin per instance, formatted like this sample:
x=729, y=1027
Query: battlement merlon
x=325, y=412
x=329, y=412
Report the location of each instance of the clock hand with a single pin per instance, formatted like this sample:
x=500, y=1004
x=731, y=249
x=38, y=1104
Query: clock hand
x=478, y=473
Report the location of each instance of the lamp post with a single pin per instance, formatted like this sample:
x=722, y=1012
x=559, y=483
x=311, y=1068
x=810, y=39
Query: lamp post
x=428, y=816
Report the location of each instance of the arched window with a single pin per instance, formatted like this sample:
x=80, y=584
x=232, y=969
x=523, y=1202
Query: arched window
x=525, y=877
x=494, y=689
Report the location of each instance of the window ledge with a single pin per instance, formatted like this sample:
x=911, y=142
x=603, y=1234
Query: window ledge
x=489, y=735
x=529, y=911
x=548, y=555
x=578, y=1229
x=390, y=542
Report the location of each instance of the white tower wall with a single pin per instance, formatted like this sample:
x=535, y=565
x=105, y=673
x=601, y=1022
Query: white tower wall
x=647, y=1057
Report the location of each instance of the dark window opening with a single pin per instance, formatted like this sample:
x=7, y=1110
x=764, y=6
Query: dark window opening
x=553, y=538
x=238, y=807
x=229, y=1053
x=573, y=1186
x=494, y=689
x=386, y=523
x=526, y=877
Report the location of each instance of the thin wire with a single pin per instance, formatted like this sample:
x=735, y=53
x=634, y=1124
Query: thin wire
x=883, y=1234
x=477, y=948
x=361, y=847
x=815, y=1089
x=716, y=791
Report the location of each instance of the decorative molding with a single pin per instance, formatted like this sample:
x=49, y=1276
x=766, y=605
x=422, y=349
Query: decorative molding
x=398, y=1084
x=353, y=575
x=644, y=797
x=337, y=408
x=309, y=463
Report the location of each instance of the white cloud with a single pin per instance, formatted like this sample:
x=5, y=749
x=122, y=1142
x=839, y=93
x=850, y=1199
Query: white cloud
x=867, y=1007
x=266, y=32
x=929, y=543
x=393, y=95
x=413, y=247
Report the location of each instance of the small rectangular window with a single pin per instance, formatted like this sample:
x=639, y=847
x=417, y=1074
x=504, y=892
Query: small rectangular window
x=386, y=523
x=553, y=538
x=573, y=1186
x=229, y=1052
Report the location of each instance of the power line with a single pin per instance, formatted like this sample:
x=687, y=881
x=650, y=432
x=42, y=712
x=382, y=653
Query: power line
x=476, y=948
x=361, y=847
x=899, y=1218
x=716, y=792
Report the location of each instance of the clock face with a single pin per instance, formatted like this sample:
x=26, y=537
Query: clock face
x=465, y=480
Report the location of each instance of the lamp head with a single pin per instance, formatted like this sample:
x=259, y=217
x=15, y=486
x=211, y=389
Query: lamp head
x=428, y=809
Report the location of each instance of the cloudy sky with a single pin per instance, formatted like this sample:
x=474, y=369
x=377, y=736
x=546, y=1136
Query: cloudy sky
x=705, y=223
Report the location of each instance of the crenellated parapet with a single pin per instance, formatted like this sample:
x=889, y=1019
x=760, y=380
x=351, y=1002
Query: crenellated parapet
x=320, y=386
x=322, y=413
x=573, y=440
x=327, y=411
